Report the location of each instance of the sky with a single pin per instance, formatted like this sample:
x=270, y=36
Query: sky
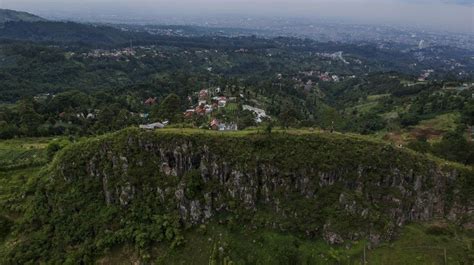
x=451, y=15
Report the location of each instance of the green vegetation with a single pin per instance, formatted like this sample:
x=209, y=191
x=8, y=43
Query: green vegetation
x=246, y=246
x=22, y=153
x=328, y=163
x=20, y=164
x=426, y=244
x=444, y=122
x=67, y=219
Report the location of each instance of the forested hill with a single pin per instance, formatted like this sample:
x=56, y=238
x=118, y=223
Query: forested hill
x=7, y=15
x=67, y=32
x=107, y=36
x=143, y=188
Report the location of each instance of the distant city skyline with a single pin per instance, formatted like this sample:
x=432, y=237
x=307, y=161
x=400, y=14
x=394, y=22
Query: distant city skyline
x=451, y=15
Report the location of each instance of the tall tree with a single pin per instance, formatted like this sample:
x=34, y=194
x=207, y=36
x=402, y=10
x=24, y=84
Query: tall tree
x=169, y=108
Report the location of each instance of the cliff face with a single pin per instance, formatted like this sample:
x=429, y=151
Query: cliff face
x=329, y=186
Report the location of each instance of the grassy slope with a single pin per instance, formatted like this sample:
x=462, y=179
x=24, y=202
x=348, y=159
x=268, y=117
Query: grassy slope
x=416, y=245
x=20, y=161
x=433, y=129
x=22, y=153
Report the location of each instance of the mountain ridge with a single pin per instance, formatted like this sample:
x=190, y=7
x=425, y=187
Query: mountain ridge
x=9, y=15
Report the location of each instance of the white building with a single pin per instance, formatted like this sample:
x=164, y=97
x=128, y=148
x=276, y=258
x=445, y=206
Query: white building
x=261, y=114
x=152, y=126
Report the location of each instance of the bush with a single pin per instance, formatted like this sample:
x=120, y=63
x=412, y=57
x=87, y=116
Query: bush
x=438, y=230
x=455, y=147
x=5, y=227
x=54, y=147
x=420, y=145
x=409, y=119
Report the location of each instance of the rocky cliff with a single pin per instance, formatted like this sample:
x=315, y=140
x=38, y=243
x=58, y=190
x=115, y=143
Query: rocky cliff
x=321, y=185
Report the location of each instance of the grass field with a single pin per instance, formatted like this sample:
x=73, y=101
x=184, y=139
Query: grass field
x=426, y=244
x=377, y=97
x=22, y=153
x=419, y=244
x=445, y=122
x=433, y=129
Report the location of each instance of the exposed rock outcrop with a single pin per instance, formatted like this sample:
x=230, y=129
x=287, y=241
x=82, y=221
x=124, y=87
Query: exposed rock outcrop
x=334, y=187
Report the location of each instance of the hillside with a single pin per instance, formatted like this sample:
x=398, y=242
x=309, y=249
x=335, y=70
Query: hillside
x=65, y=32
x=148, y=189
x=7, y=15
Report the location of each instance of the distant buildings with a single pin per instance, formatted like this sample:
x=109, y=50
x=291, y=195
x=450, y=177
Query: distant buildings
x=425, y=74
x=421, y=44
x=219, y=126
x=325, y=77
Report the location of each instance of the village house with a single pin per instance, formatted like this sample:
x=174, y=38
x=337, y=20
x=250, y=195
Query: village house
x=200, y=110
x=325, y=77
x=202, y=102
x=222, y=102
x=214, y=124
x=208, y=108
x=189, y=113
x=228, y=127
x=150, y=101
x=221, y=126
x=203, y=95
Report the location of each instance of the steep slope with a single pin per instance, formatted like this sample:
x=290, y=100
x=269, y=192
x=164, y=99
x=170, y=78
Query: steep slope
x=7, y=15
x=139, y=188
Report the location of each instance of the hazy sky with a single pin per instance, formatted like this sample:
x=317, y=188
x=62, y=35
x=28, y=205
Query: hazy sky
x=454, y=15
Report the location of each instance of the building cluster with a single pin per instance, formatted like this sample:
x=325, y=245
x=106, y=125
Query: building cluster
x=112, y=54
x=216, y=125
x=206, y=103
x=425, y=74
x=324, y=76
x=209, y=101
x=333, y=56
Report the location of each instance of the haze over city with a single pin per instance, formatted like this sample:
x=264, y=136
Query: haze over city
x=455, y=16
